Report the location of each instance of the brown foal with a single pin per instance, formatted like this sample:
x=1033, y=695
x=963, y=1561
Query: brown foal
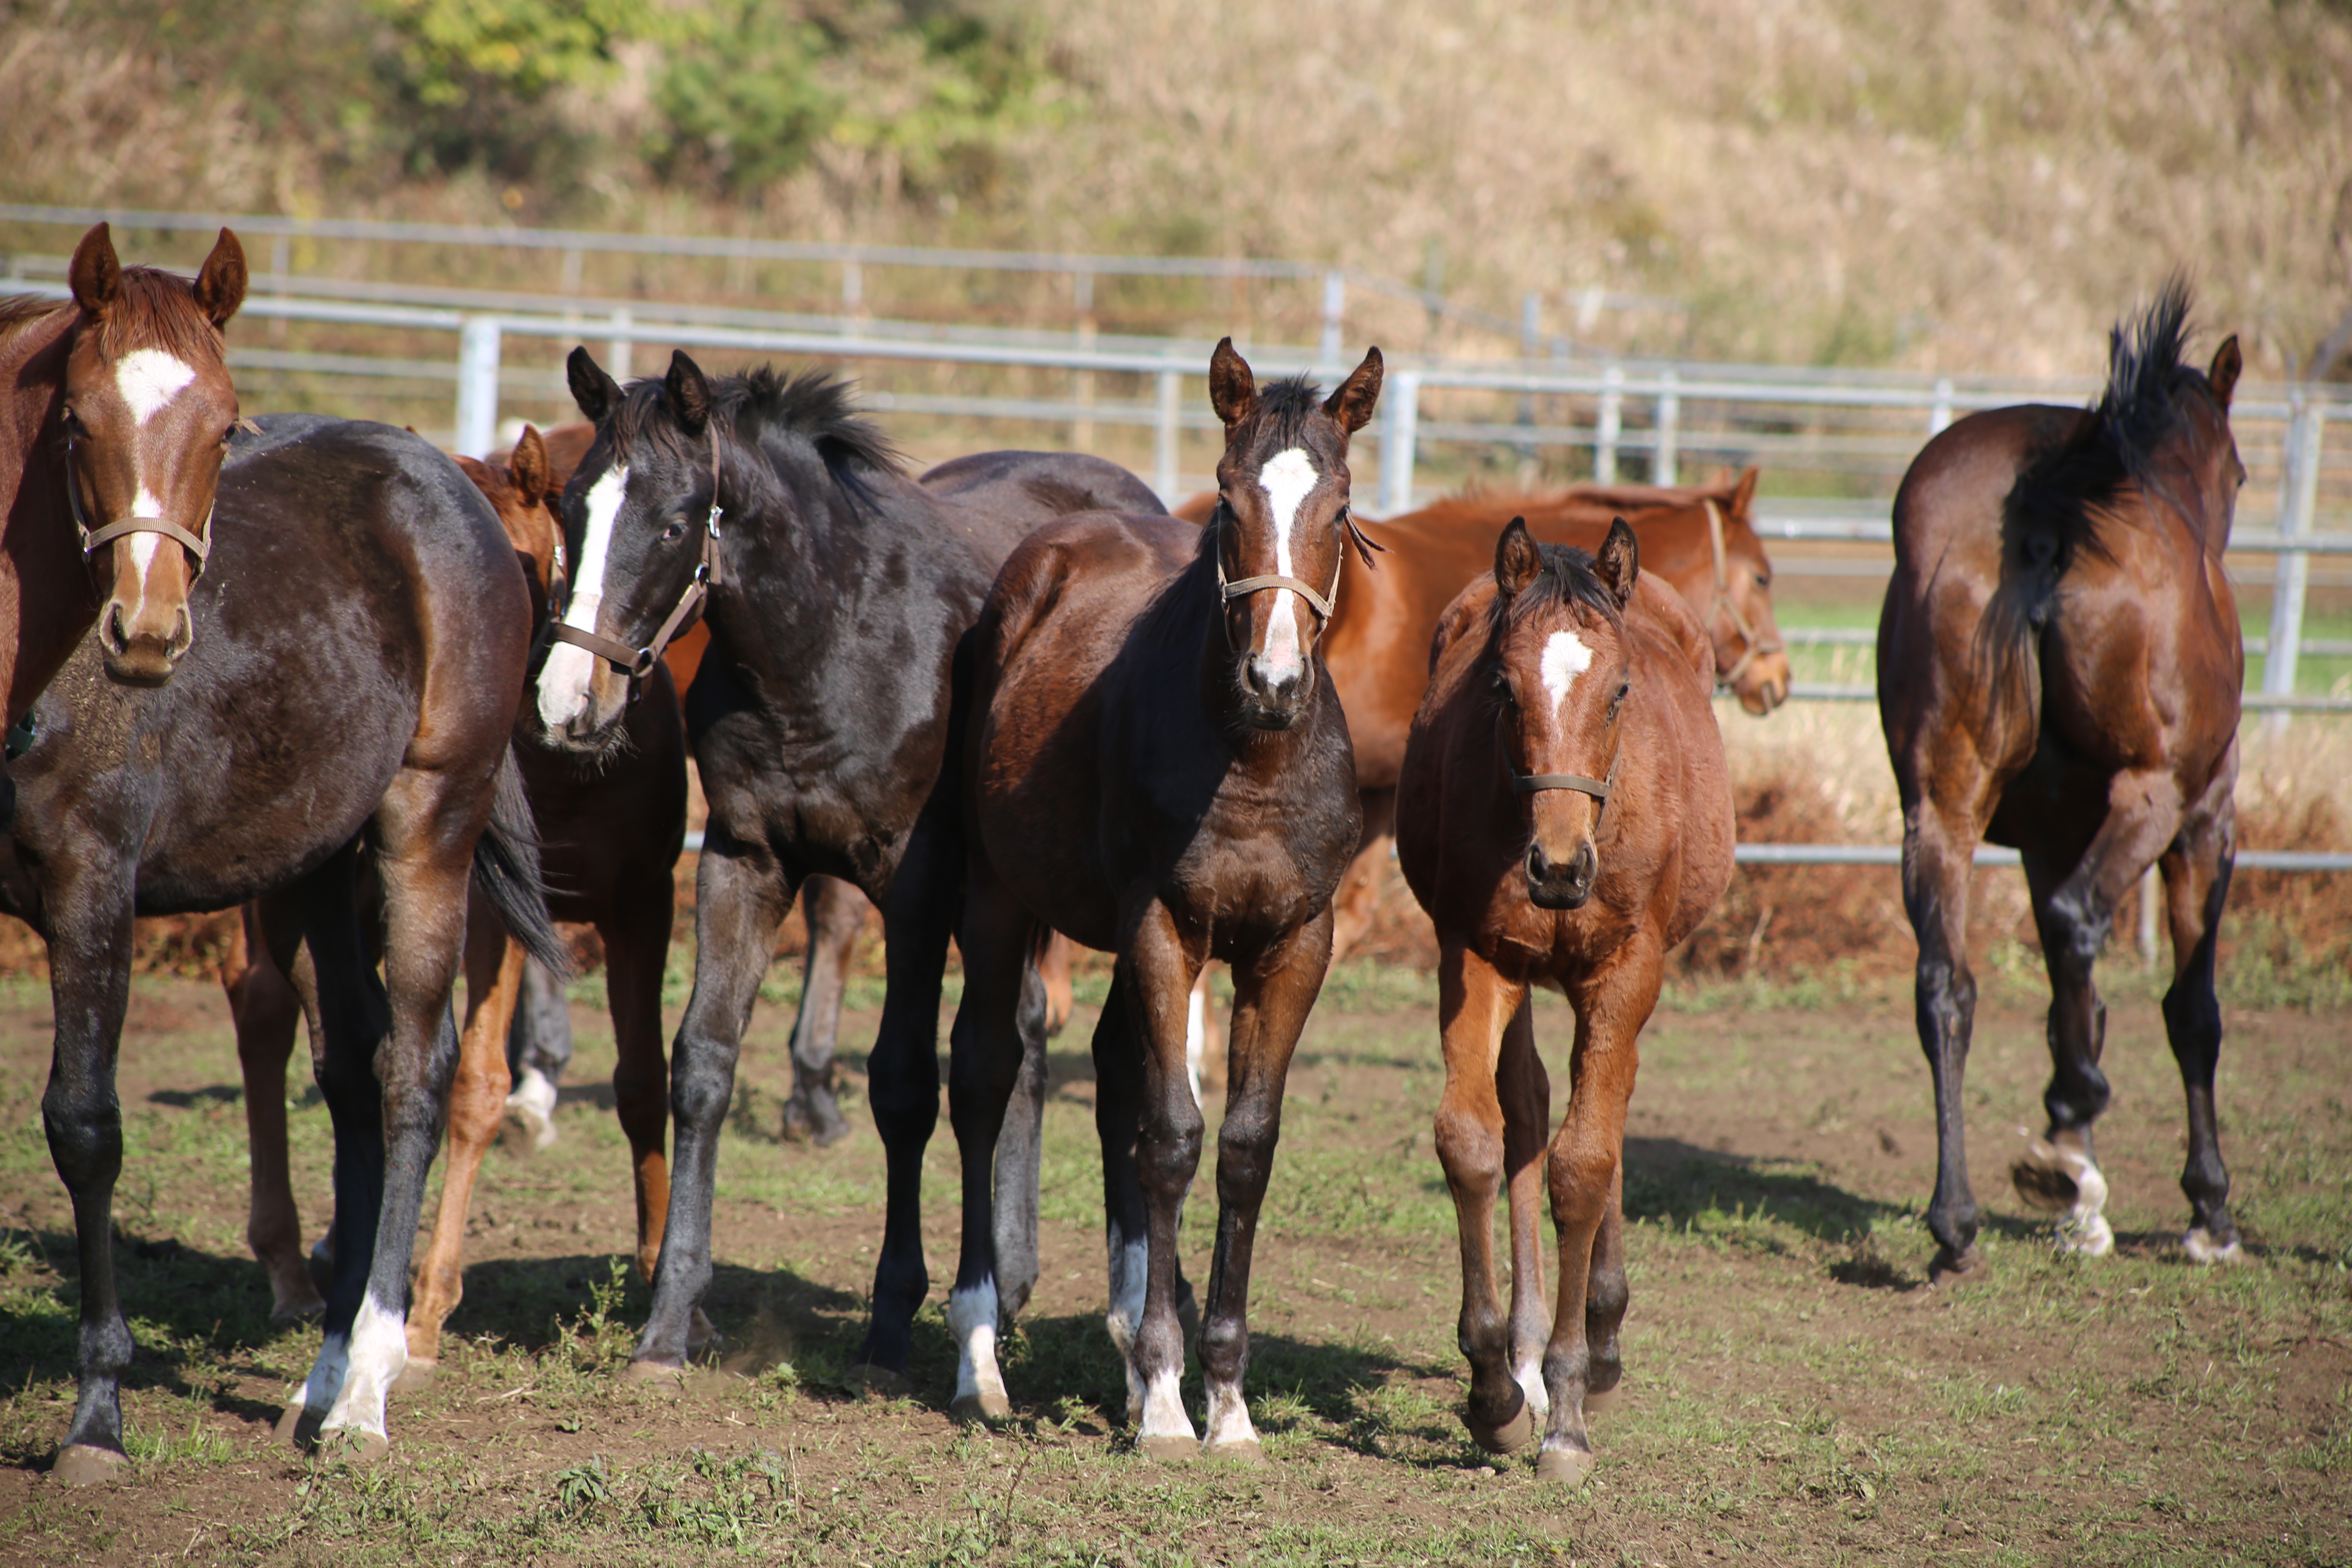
x=1565, y=817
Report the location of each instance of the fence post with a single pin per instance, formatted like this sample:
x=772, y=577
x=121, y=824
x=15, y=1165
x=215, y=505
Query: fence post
x=1939, y=413
x=2297, y=497
x=1335, y=305
x=1164, y=435
x=1666, y=456
x=1400, y=408
x=621, y=350
x=1613, y=420
x=478, y=386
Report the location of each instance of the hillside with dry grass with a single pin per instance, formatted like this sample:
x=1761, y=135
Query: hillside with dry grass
x=1974, y=186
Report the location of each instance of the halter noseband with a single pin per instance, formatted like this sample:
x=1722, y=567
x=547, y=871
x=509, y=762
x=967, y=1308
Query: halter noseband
x=94, y=540
x=1754, y=645
x=1352, y=535
x=637, y=663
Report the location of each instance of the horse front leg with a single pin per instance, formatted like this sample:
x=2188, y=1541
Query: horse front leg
x=2072, y=916
x=1156, y=974
x=1272, y=997
x=1524, y=1091
x=636, y=934
x=835, y=913
x=265, y=1011
x=90, y=990
x=1476, y=1004
x=2197, y=870
x=1584, y=1172
x=742, y=894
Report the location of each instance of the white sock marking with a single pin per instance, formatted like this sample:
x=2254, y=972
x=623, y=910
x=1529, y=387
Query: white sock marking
x=148, y=379
x=1163, y=1408
x=1528, y=1375
x=1565, y=657
x=563, y=679
x=1196, y=1034
x=1287, y=478
x=379, y=1353
x=1130, y=1264
x=1229, y=1418
x=972, y=1319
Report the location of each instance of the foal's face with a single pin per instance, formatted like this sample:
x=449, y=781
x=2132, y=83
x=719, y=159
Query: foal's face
x=149, y=408
x=1283, y=488
x=1561, y=675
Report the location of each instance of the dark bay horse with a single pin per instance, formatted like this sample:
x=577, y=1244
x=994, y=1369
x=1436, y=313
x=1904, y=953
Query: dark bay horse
x=1565, y=817
x=609, y=840
x=2059, y=668
x=836, y=590
x=114, y=412
x=1156, y=766
x=343, y=713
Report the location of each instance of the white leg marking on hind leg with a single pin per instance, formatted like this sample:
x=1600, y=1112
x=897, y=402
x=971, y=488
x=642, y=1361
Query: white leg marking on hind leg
x=1196, y=1036
x=972, y=1319
x=1229, y=1419
x=2199, y=1244
x=1129, y=1266
x=1163, y=1408
x=379, y=1353
x=325, y=1384
x=2083, y=1228
x=1528, y=1375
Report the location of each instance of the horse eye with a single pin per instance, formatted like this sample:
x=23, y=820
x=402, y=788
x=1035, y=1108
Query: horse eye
x=677, y=529
x=1764, y=581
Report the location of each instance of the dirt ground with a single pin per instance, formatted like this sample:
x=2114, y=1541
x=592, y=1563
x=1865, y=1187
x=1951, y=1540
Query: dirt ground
x=1795, y=1391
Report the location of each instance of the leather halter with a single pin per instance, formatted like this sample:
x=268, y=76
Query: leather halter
x=1228, y=591
x=637, y=663
x=1599, y=789
x=1724, y=601
x=94, y=540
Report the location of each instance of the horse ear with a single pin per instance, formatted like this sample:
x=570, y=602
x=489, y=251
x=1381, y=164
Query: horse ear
x=96, y=273
x=220, y=284
x=596, y=392
x=1743, y=495
x=1517, y=559
x=689, y=393
x=2227, y=364
x=1233, y=391
x=1351, y=406
x=534, y=476
x=1619, y=563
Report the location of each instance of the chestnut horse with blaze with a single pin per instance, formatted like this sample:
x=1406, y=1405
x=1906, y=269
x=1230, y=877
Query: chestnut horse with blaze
x=2059, y=669
x=1565, y=817
x=1157, y=767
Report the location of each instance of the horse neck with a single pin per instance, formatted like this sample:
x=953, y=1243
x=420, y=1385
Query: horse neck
x=39, y=554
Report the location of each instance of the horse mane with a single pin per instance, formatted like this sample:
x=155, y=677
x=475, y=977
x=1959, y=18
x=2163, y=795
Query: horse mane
x=1285, y=407
x=2067, y=496
x=21, y=312
x=1564, y=580
x=816, y=407
x=154, y=310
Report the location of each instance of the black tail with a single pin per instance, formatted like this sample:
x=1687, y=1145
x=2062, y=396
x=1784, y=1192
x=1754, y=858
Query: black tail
x=506, y=867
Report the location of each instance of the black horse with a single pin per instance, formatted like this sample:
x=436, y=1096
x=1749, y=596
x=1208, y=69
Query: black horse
x=836, y=591
x=361, y=636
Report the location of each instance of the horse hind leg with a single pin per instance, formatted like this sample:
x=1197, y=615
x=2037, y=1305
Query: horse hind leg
x=2196, y=872
x=1938, y=851
x=1020, y=1154
x=835, y=912
x=265, y=1012
x=539, y=1048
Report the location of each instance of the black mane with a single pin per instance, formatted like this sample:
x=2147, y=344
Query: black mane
x=1565, y=580
x=816, y=407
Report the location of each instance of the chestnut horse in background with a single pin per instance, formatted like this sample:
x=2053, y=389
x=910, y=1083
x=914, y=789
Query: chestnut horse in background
x=1156, y=766
x=1565, y=817
x=609, y=842
x=114, y=412
x=2059, y=669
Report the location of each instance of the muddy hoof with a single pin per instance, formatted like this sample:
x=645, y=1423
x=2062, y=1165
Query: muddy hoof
x=880, y=1382
x=983, y=1409
x=354, y=1446
x=1169, y=1450
x=653, y=1371
x=87, y=1465
x=417, y=1375
x=1952, y=1268
x=298, y=1425
x=1247, y=1451
x=1569, y=1467
x=1506, y=1439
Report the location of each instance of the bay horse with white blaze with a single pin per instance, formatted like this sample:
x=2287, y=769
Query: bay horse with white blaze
x=340, y=718
x=1156, y=766
x=2059, y=669
x=115, y=412
x=1565, y=817
x=836, y=590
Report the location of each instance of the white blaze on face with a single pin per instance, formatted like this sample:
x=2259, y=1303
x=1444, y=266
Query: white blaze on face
x=148, y=379
x=144, y=548
x=1286, y=479
x=563, y=680
x=1565, y=657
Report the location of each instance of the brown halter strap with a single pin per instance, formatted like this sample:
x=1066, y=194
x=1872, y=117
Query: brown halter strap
x=94, y=540
x=637, y=663
x=1754, y=645
x=1529, y=783
x=1352, y=535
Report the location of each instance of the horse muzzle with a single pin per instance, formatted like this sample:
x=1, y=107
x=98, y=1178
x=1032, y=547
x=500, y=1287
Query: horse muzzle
x=1273, y=698
x=1558, y=885
x=138, y=652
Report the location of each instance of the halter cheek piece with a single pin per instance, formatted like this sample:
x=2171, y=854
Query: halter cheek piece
x=1756, y=646
x=94, y=540
x=637, y=663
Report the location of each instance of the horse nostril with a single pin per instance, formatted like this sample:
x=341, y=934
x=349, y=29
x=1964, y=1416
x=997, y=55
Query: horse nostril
x=110, y=628
x=1539, y=869
x=1585, y=866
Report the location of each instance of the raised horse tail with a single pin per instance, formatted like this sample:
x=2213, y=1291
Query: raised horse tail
x=506, y=869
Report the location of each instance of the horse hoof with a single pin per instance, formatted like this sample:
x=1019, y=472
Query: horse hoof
x=2090, y=1236
x=1601, y=1401
x=1569, y=1467
x=2046, y=1177
x=1952, y=1268
x=354, y=1446
x=830, y=1130
x=298, y=1424
x=983, y=1409
x=1509, y=1437
x=417, y=1375
x=87, y=1465
x=2201, y=1247
x=1245, y=1451
x=1169, y=1449
x=700, y=1332
x=880, y=1382
x=653, y=1371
